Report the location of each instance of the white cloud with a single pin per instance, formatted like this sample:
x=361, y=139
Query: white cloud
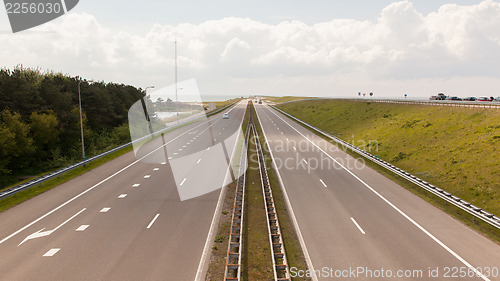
x=403, y=47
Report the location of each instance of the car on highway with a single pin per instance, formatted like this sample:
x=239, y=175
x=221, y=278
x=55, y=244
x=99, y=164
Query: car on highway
x=453, y=98
x=484, y=99
x=470, y=99
x=440, y=96
x=225, y=116
x=497, y=99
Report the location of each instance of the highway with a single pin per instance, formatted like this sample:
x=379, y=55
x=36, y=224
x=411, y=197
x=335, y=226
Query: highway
x=125, y=220
x=350, y=216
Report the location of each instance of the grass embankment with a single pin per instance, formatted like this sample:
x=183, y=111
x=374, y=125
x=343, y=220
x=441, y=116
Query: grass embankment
x=284, y=99
x=294, y=254
x=221, y=104
x=217, y=265
x=456, y=149
x=257, y=262
x=29, y=193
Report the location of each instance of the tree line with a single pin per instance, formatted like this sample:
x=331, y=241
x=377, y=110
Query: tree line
x=40, y=120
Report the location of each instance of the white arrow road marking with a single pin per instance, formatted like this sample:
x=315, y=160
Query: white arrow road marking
x=39, y=233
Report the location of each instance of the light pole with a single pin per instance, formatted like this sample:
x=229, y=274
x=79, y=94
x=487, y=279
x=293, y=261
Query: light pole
x=81, y=119
x=146, y=90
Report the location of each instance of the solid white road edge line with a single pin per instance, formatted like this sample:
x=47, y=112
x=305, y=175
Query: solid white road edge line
x=393, y=206
x=290, y=209
x=217, y=211
x=357, y=225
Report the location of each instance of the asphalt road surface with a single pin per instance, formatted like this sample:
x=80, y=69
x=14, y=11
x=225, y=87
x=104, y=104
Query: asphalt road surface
x=125, y=220
x=351, y=217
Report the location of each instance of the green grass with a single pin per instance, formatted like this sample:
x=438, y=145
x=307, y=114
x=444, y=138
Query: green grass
x=257, y=260
x=294, y=254
x=29, y=193
x=454, y=148
x=284, y=99
x=217, y=265
x=221, y=104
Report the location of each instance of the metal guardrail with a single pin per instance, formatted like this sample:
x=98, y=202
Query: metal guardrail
x=473, y=104
x=280, y=265
x=13, y=190
x=477, y=212
x=233, y=260
x=470, y=104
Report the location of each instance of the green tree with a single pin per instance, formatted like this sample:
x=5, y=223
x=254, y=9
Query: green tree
x=23, y=144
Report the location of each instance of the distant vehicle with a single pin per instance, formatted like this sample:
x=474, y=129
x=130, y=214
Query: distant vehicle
x=470, y=99
x=484, y=99
x=453, y=98
x=260, y=102
x=433, y=98
x=441, y=96
x=225, y=116
x=497, y=99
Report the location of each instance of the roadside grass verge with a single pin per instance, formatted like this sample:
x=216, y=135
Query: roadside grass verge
x=217, y=264
x=454, y=148
x=31, y=192
x=294, y=253
x=257, y=263
x=284, y=99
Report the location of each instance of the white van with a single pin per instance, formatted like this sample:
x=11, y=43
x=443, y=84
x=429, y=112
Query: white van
x=225, y=116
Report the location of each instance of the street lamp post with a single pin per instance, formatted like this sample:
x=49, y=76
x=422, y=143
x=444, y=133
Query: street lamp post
x=146, y=90
x=81, y=119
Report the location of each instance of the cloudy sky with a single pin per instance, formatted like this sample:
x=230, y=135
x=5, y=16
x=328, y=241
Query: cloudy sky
x=280, y=47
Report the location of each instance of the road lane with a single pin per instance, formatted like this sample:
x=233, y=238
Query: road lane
x=117, y=244
x=325, y=198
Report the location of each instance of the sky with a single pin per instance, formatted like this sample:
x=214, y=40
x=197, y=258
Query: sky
x=306, y=48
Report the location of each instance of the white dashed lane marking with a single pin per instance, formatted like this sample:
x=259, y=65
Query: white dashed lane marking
x=122, y=196
x=82, y=227
x=105, y=210
x=51, y=252
x=322, y=182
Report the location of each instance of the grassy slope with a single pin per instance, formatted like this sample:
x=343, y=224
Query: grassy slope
x=284, y=99
x=454, y=148
x=257, y=259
